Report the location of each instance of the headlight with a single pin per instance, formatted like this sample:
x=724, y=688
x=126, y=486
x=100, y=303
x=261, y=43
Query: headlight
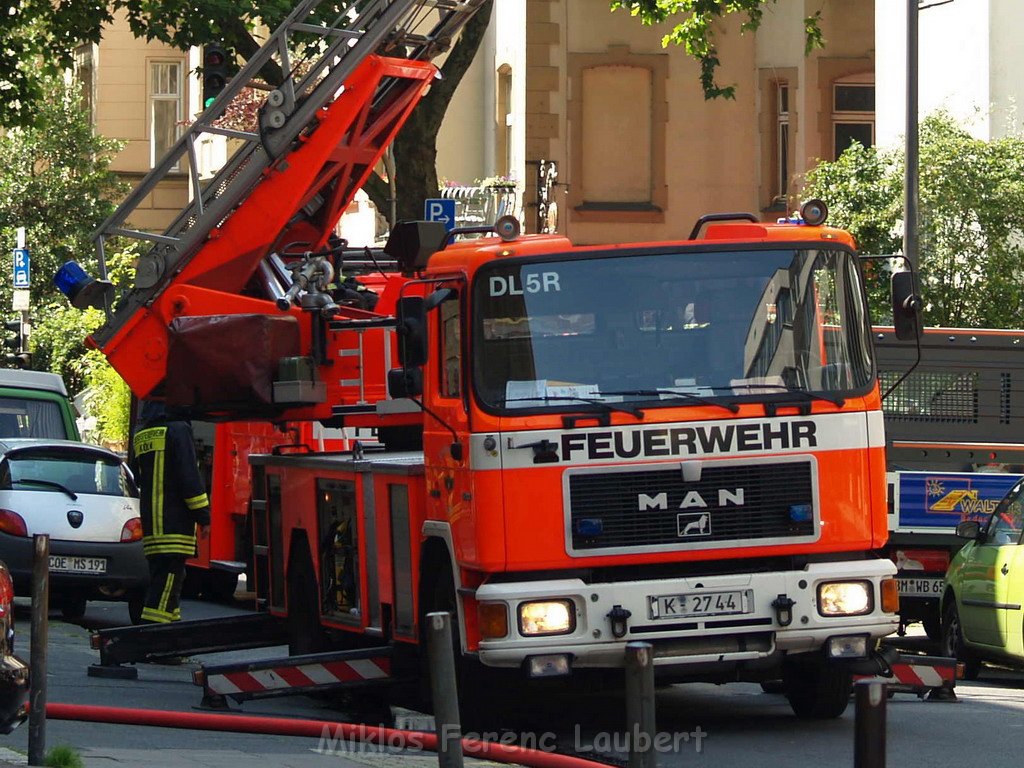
x=550, y=617
x=845, y=598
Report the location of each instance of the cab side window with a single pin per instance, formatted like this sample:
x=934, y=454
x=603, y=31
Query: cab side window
x=451, y=346
x=1007, y=521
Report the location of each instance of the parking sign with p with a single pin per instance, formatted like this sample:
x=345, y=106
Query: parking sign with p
x=21, y=268
x=440, y=209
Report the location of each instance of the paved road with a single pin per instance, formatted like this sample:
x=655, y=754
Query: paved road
x=702, y=724
x=171, y=688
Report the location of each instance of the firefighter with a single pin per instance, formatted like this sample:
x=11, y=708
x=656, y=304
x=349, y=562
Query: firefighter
x=173, y=501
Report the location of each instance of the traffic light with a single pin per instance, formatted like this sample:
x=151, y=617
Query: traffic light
x=216, y=72
x=14, y=340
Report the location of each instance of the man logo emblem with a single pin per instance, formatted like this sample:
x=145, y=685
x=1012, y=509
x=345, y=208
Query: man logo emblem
x=693, y=524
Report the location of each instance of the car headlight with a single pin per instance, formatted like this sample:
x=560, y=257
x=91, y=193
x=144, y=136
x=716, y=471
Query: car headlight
x=547, y=617
x=845, y=598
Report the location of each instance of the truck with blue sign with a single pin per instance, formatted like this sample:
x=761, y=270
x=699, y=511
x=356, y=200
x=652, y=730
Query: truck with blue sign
x=954, y=447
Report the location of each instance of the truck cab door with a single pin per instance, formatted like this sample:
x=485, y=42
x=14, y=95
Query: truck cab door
x=991, y=596
x=448, y=477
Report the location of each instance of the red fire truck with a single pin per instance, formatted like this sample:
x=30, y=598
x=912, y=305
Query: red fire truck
x=677, y=442
x=223, y=449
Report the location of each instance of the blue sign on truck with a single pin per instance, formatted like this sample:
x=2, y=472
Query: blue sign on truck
x=936, y=500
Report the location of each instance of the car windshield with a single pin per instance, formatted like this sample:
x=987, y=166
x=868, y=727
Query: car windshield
x=670, y=328
x=69, y=471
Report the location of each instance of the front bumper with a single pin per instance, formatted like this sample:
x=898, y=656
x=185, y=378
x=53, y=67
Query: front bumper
x=756, y=635
x=127, y=568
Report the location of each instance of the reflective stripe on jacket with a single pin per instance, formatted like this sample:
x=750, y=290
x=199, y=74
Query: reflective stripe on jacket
x=173, y=498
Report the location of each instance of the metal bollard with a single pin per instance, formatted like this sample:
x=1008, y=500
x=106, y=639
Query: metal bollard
x=869, y=727
x=444, y=691
x=640, y=705
x=38, y=643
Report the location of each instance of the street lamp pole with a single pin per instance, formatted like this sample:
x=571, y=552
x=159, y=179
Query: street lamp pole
x=911, y=247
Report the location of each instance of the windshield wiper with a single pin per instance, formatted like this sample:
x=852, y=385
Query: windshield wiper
x=771, y=406
x=782, y=389
x=51, y=484
x=634, y=412
x=673, y=394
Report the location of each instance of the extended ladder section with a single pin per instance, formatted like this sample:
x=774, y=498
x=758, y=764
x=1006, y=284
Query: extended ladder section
x=347, y=85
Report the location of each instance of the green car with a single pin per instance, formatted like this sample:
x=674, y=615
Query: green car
x=982, y=618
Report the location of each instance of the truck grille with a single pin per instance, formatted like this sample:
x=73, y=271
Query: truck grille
x=732, y=501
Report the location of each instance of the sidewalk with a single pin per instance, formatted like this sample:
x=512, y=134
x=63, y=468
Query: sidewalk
x=187, y=758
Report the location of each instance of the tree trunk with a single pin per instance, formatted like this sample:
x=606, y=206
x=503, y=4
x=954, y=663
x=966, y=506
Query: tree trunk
x=416, y=144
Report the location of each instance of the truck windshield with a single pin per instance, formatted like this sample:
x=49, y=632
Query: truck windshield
x=670, y=328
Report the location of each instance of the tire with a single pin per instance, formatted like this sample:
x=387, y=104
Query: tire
x=817, y=690
x=192, y=587
x=475, y=705
x=72, y=607
x=933, y=626
x=953, y=644
x=220, y=586
x=305, y=633
x=136, y=602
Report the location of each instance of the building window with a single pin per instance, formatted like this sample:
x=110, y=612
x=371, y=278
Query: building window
x=778, y=124
x=85, y=75
x=166, y=103
x=615, y=95
x=853, y=115
x=628, y=180
x=781, y=141
x=504, y=120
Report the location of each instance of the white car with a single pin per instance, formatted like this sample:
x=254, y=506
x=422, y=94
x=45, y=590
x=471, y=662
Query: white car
x=86, y=499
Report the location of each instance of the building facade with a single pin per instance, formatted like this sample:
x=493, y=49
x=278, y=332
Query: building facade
x=138, y=92
x=629, y=147
x=641, y=154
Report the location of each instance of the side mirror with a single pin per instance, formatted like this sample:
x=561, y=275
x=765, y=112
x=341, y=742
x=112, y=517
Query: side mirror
x=968, y=529
x=412, y=331
x=906, y=306
x=405, y=382
x=437, y=298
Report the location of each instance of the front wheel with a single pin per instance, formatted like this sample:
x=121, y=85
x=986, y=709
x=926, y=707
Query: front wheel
x=474, y=682
x=220, y=586
x=72, y=607
x=932, y=624
x=953, y=644
x=817, y=690
x=136, y=603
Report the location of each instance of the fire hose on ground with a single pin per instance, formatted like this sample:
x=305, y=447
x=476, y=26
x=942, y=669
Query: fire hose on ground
x=281, y=726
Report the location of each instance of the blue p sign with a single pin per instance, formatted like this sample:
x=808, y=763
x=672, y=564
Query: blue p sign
x=21, y=268
x=440, y=209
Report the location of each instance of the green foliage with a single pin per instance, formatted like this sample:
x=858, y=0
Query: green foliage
x=58, y=345
x=108, y=400
x=63, y=757
x=971, y=211
x=55, y=181
x=696, y=33
x=38, y=37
